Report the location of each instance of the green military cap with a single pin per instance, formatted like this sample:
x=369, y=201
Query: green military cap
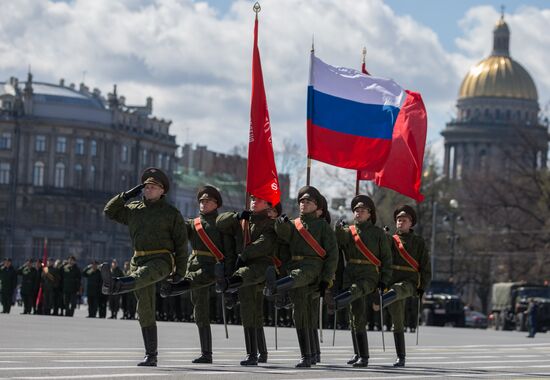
x=365, y=202
x=210, y=192
x=405, y=210
x=279, y=208
x=311, y=193
x=324, y=209
x=156, y=177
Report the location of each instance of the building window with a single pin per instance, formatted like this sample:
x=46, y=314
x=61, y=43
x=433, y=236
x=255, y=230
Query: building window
x=123, y=181
x=4, y=173
x=5, y=140
x=79, y=146
x=38, y=174
x=59, y=179
x=93, y=148
x=40, y=143
x=144, y=157
x=124, y=154
x=61, y=145
x=92, y=177
x=167, y=162
x=159, y=160
x=78, y=176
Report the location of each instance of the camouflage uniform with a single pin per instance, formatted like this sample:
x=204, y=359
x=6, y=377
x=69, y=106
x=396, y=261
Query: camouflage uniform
x=159, y=239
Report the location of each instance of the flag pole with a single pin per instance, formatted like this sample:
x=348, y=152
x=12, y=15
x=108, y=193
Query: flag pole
x=312, y=53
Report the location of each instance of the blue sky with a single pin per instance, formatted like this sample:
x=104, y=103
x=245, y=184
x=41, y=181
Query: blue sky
x=194, y=58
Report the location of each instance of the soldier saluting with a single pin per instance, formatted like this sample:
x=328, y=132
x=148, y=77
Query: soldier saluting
x=411, y=274
x=368, y=257
x=209, y=246
x=159, y=239
x=314, y=257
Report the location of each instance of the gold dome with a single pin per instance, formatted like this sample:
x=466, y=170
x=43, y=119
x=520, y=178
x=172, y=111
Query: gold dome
x=498, y=76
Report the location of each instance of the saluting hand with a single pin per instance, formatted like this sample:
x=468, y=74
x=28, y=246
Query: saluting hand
x=133, y=192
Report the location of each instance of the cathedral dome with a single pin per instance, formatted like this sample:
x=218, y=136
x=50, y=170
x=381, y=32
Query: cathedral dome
x=499, y=75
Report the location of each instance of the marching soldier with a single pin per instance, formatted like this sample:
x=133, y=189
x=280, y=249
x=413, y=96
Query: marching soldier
x=8, y=284
x=411, y=274
x=209, y=246
x=28, y=274
x=368, y=258
x=314, y=257
x=159, y=239
x=93, y=287
x=71, y=285
x=50, y=280
x=255, y=240
x=114, y=299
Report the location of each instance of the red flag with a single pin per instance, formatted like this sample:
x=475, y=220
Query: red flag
x=403, y=169
x=40, y=297
x=262, y=180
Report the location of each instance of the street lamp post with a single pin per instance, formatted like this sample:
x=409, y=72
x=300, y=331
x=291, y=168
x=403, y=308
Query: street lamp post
x=453, y=203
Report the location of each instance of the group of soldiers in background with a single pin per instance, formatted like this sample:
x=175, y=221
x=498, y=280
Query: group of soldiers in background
x=59, y=285
x=259, y=252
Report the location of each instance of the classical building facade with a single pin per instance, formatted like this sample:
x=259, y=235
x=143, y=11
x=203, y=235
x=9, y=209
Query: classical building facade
x=498, y=116
x=63, y=153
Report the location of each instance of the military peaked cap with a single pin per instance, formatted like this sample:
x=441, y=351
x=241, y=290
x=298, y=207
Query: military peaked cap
x=311, y=193
x=279, y=208
x=157, y=177
x=405, y=210
x=210, y=192
x=365, y=202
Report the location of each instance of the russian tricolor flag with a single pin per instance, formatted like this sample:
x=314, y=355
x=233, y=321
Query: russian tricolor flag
x=350, y=116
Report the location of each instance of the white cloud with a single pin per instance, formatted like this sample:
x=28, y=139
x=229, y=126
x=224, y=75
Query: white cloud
x=196, y=62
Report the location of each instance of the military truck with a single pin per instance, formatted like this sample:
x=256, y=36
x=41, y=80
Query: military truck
x=442, y=305
x=509, y=302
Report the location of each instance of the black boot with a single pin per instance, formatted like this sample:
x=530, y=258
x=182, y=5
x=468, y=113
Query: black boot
x=363, y=347
x=305, y=348
x=107, y=278
x=117, y=285
x=315, y=347
x=150, y=342
x=262, y=346
x=273, y=288
x=355, y=357
x=233, y=284
x=171, y=290
x=342, y=300
x=389, y=297
x=205, y=337
x=251, y=343
x=399, y=339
